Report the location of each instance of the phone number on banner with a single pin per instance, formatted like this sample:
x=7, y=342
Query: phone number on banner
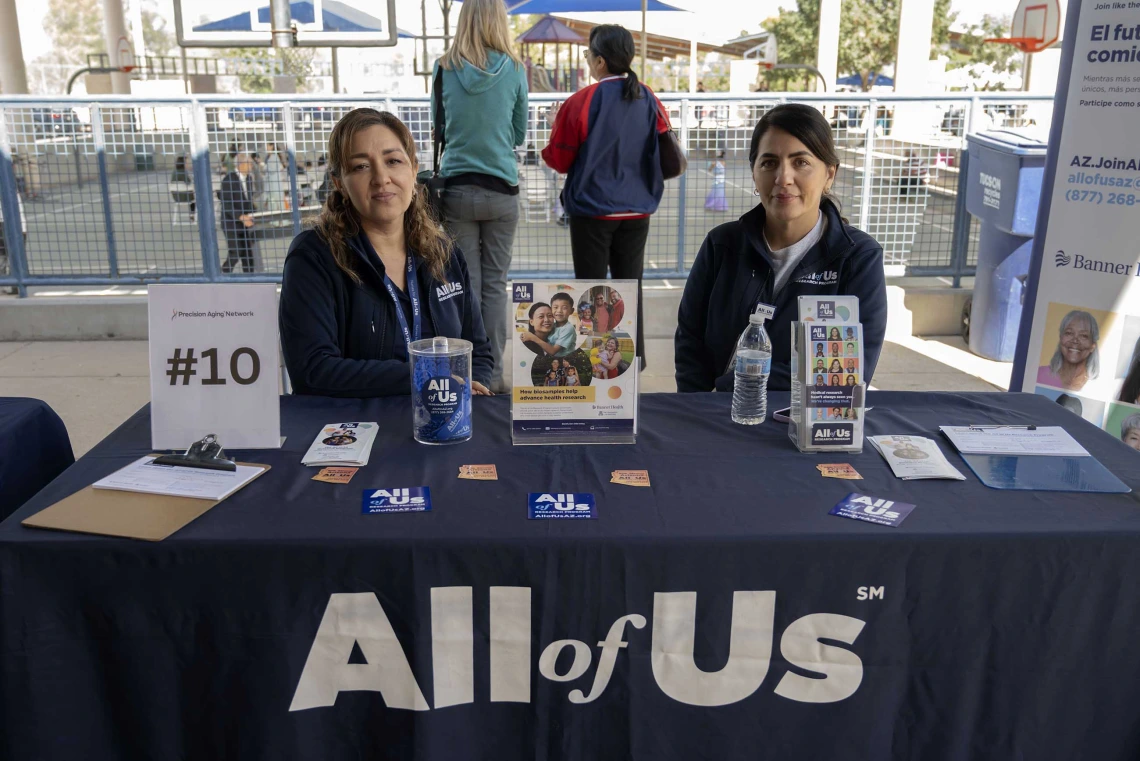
x=1097, y=198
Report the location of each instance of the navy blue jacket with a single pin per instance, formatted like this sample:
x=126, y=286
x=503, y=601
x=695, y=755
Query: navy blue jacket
x=338, y=337
x=732, y=272
x=608, y=148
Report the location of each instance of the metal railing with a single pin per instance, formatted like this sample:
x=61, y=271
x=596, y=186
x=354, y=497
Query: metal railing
x=95, y=186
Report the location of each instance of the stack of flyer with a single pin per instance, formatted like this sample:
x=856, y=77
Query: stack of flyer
x=828, y=384
x=342, y=444
x=914, y=457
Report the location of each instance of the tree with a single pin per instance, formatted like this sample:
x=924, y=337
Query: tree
x=988, y=66
x=868, y=34
x=76, y=29
x=256, y=67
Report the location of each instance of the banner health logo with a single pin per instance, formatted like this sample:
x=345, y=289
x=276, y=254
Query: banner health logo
x=812, y=645
x=523, y=293
x=1063, y=259
x=834, y=434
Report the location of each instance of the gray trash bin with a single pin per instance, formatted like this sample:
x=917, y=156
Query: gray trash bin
x=1003, y=189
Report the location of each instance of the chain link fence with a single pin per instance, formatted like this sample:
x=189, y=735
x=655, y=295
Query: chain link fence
x=112, y=191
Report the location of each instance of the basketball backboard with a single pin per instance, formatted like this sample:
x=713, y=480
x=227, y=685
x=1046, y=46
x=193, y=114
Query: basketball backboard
x=1036, y=26
x=316, y=23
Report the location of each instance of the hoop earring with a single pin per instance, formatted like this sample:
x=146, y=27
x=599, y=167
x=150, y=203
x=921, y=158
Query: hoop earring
x=756, y=192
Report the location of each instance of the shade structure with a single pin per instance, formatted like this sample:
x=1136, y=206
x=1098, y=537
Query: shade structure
x=585, y=6
x=335, y=17
x=550, y=29
x=854, y=80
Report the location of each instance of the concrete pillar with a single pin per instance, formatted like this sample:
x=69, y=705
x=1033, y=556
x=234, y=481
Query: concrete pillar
x=115, y=35
x=912, y=68
x=916, y=29
x=13, y=75
x=827, y=55
x=692, y=65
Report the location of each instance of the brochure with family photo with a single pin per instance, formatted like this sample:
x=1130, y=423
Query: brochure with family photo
x=342, y=444
x=574, y=361
x=914, y=457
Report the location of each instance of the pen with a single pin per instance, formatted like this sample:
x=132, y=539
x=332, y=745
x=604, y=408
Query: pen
x=990, y=427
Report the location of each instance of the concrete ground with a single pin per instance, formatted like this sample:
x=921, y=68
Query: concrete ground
x=95, y=385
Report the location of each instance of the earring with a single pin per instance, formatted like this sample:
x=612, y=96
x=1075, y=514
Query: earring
x=755, y=192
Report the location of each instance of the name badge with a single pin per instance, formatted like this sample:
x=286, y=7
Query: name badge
x=767, y=311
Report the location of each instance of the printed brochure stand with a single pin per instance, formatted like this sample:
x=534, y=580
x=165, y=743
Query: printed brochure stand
x=827, y=400
x=575, y=375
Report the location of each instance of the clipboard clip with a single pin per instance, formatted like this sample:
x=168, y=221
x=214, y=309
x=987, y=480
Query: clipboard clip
x=207, y=453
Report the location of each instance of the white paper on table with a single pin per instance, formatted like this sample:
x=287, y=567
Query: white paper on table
x=914, y=457
x=178, y=481
x=1052, y=440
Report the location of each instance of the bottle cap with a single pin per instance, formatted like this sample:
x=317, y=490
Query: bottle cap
x=756, y=319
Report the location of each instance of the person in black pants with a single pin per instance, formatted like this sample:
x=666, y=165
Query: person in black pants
x=237, y=208
x=605, y=139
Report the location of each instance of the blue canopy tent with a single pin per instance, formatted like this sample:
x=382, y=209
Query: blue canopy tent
x=854, y=80
x=335, y=17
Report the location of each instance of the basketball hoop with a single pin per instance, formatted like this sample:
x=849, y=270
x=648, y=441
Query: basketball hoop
x=1036, y=26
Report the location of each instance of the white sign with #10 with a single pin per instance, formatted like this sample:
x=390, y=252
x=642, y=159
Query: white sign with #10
x=214, y=366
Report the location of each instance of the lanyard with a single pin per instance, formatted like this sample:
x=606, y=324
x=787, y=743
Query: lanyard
x=414, y=295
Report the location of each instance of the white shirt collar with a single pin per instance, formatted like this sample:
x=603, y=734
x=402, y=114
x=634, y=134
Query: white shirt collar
x=614, y=76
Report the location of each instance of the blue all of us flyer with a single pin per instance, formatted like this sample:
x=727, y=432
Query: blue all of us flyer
x=1080, y=334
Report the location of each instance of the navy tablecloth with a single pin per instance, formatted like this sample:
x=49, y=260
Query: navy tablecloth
x=34, y=449
x=990, y=625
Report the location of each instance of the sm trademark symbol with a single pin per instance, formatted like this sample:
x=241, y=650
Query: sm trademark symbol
x=870, y=593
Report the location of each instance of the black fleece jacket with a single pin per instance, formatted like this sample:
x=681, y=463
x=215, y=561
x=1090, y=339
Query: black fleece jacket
x=733, y=272
x=338, y=337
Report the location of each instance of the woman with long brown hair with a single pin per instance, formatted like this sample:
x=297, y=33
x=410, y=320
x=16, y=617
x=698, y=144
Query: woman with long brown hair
x=375, y=274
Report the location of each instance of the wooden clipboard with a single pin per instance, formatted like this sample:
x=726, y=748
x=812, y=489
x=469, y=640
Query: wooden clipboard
x=134, y=515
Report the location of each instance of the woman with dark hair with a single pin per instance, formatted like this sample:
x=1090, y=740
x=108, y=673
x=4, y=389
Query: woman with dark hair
x=605, y=139
x=836, y=367
x=794, y=243
x=850, y=380
x=541, y=318
x=368, y=280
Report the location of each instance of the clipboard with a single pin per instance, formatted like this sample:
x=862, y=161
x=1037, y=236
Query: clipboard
x=128, y=514
x=1045, y=473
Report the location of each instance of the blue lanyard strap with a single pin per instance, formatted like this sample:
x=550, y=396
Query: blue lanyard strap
x=413, y=294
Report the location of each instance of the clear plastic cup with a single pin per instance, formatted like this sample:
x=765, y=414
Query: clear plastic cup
x=441, y=390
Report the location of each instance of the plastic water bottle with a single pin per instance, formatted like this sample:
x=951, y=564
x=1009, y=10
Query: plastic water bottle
x=753, y=364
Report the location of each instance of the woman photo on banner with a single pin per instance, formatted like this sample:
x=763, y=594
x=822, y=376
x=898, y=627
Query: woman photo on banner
x=369, y=279
x=541, y=319
x=484, y=93
x=1076, y=360
x=794, y=243
x=605, y=140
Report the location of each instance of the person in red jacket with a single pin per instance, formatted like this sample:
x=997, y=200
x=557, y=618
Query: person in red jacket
x=605, y=139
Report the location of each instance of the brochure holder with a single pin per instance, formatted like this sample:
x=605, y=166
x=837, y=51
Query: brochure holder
x=574, y=366
x=828, y=392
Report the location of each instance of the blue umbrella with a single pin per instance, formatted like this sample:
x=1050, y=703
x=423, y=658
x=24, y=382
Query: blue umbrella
x=585, y=6
x=854, y=80
x=335, y=16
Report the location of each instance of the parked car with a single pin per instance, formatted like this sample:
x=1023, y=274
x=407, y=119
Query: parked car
x=56, y=121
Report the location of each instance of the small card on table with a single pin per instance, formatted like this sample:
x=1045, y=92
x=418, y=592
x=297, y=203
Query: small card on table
x=860, y=507
x=560, y=506
x=407, y=499
x=479, y=472
x=335, y=475
x=630, y=477
x=839, y=470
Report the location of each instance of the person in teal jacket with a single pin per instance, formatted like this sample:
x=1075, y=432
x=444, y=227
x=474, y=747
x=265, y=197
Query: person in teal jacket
x=484, y=117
